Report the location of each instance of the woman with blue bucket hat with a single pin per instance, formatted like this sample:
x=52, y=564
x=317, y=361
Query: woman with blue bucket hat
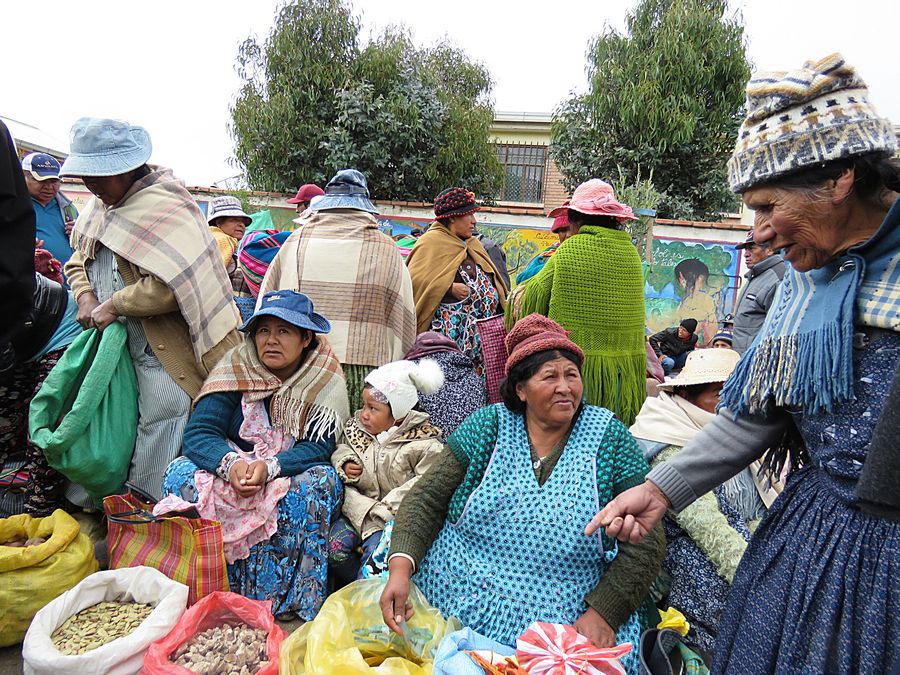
x=143, y=255
x=257, y=451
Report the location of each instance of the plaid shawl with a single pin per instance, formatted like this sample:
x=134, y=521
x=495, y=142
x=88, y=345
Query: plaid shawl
x=355, y=276
x=159, y=227
x=312, y=403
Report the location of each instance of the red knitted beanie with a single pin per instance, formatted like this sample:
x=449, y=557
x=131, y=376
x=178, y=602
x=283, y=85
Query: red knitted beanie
x=536, y=333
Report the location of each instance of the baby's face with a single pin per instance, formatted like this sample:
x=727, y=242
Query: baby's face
x=374, y=415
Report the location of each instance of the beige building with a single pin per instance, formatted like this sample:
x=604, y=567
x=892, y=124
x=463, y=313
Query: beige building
x=531, y=179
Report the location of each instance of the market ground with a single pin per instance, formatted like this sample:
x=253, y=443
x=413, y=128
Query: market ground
x=11, y=657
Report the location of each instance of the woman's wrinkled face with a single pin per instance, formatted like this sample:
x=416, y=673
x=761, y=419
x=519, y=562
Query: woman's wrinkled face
x=109, y=189
x=463, y=226
x=233, y=226
x=280, y=345
x=553, y=394
x=806, y=230
x=708, y=398
x=374, y=415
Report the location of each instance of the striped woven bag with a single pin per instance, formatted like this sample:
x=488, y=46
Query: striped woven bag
x=188, y=550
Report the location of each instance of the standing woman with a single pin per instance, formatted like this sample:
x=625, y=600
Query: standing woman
x=454, y=280
x=144, y=253
x=818, y=589
x=594, y=287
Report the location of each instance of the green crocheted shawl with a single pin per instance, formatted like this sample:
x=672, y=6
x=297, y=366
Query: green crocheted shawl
x=594, y=287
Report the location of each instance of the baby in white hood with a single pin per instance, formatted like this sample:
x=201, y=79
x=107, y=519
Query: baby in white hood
x=386, y=446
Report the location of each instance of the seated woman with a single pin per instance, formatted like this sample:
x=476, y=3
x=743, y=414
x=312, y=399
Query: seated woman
x=257, y=452
x=495, y=530
x=388, y=444
x=463, y=391
x=707, y=540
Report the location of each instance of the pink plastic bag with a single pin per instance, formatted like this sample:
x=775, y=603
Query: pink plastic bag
x=211, y=611
x=555, y=649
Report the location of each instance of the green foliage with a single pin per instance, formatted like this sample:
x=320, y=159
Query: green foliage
x=638, y=193
x=414, y=120
x=665, y=98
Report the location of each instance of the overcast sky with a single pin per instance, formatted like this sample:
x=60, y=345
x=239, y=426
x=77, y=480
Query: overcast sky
x=169, y=66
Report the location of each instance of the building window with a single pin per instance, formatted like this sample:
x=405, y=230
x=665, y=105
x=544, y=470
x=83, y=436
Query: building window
x=523, y=172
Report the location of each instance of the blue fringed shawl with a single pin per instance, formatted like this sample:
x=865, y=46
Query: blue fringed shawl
x=802, y=358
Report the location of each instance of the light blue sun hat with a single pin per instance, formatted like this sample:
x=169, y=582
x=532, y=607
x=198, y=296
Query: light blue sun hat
x=105, y=147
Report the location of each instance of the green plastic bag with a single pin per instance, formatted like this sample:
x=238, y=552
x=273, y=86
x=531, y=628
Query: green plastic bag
x=84, y=417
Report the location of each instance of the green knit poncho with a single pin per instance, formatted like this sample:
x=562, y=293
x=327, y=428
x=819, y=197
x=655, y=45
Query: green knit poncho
x=594, y=287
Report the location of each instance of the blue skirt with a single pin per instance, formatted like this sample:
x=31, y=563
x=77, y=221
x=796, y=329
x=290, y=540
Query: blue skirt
x=291, y=568
x=818, y=590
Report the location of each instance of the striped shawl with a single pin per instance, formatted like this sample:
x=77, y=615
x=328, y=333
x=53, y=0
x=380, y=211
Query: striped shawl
x=159, y=228
x=355, y=277
x=312, y=403
x=802, y=357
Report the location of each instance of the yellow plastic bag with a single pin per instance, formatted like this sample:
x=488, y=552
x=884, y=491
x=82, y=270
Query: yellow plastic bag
x=349, y=636
x=31, y=577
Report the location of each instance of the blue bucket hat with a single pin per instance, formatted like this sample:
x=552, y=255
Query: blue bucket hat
x=347, y=190
x=290, y=306
x=104, y=147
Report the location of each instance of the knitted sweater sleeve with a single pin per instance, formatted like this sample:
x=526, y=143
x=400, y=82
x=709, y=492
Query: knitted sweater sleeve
x=627, y=580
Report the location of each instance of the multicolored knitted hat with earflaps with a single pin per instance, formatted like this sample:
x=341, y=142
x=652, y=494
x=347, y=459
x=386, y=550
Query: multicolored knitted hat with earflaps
x=803, y=118
x=455, y=201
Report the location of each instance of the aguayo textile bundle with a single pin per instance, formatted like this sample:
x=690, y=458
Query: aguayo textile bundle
x=555, y=649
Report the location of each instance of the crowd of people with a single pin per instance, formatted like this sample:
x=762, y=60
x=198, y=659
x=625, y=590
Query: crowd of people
x=326, y=399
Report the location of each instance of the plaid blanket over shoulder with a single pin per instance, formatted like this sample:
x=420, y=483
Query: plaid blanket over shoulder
x=356, y=278
x=312, y=403
x=159, y=227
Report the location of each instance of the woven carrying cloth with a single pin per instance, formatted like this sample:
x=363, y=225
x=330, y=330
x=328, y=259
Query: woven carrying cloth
x=518, y=553
x=312, y=403
x=158, y=227
x=355, y=276
x=803, y=354
x=593, y=286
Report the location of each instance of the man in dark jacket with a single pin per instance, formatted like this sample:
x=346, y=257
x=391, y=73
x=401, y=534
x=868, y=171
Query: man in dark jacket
x=672, y=345
x=17, y=244
x=766, y=271
x=497, y=254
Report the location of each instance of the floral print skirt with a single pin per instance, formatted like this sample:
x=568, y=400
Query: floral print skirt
x=291, y=568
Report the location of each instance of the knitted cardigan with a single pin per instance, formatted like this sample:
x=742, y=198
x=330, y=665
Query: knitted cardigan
x=594, y=287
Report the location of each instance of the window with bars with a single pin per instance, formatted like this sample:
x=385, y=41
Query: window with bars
x=523, y=172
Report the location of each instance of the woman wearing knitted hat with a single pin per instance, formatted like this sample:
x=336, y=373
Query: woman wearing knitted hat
x=594, y=287
x=818, y=589
x=494, y=529
x=454, y=280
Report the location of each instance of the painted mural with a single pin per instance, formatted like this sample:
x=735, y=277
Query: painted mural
x=691, y=279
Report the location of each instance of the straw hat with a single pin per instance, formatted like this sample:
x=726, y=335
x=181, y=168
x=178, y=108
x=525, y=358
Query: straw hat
x=704, y=366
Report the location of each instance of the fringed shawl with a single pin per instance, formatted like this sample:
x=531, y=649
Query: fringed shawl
x=593, y=286
x=433, y=264
x=159, y=228
x=802, y=358
x=312, y=403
